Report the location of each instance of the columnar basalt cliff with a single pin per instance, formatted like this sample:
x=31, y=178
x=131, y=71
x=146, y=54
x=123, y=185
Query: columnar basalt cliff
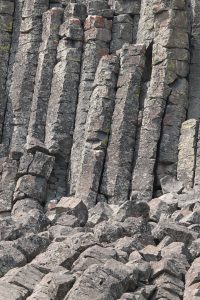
x=99, y=149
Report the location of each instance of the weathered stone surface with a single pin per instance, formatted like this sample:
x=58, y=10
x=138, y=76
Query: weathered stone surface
x=101, y=212
x=194, y=89
x=131, y=209
x=64, y=92
x=187, y=153
x=109, y=232
x=6, y=23
x=24, y=206
x=128, y=7
x=8, y=177
x=46, y=62
x=160, y=207
x=73, y=206
x=54, y=285
x=98, y=127
x=93, y=255
x=177, y=232
x=12, y=292
x=119, y=159
x=145, y=32
x=29, y=186
x=10, y=258
x=93, y=51
x=31, y=245
x=155, y=104
x=122, y=32
x=26, y=277
x=171, y=185
x=24, y=70
x=111, y=280
x=99, y=113
x=66, y=252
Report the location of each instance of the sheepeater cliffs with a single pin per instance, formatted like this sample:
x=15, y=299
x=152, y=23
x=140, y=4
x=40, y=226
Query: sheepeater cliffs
x=99, y=149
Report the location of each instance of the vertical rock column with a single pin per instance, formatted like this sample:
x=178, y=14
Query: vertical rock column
x=46, y=62
x=8, y=178
x=119, y=159
x=187, y=153
x=194, y=82
x=194, y=86
x=97, y=38
x=6, y=132
x=24, y=70
x=122, y=31
x=63, y=98
x=170, y=34
x=145, y=33
x=6, y=25
x=15, y=37
x=197, y=169
x=177, y=103
x=125, y=23
x=98, y=128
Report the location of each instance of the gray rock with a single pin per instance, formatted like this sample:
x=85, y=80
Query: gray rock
x=26, y=277
x=73, y=206
x=169, y=266
x=171, y=185
x=131, y=209
x=12, y=292
x=108, y=232
x=159, y=207
x=178, y=233
x=117, y=173
x=98, y=127
x=134, y=226
x=65, y=219
x=10, y=257
x=29, y=186
x=54, y=285
x=109, y=282
x=151, y=253
x=93, y=255
x=31, y=245
x=193, y=275
x=8, y=229
x=8, y=177
x=33, y=221
x=66, y=252
x=100, y=212
x=42, y=165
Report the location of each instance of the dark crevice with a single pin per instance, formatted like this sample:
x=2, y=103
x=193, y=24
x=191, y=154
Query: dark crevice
x=155, y=185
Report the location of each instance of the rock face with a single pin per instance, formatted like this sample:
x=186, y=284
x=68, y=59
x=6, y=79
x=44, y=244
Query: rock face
x=99, y=149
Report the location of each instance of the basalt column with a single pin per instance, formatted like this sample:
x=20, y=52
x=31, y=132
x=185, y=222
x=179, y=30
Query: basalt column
x=97, y=32
x=125, y=23
x=177, y=103
x=24, y=70
x=15, y=37
x=63, y=99
x=194, y=86
x=169, y=54
x=46, y=62
x=6, y=25
x=119, y=159
x=145, y=33
x=187, y=153
x=98, y=128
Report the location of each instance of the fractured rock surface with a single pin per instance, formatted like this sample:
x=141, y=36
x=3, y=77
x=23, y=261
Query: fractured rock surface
x=99, y=149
